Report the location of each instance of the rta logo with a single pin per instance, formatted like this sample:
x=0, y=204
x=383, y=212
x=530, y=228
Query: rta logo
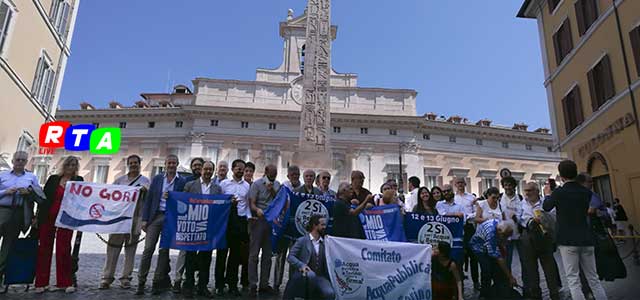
x=82, y=137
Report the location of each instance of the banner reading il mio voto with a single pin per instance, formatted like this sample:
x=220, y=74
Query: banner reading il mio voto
x=427, y=229
x=196, y=222
x=363, y=269
x=383, y=223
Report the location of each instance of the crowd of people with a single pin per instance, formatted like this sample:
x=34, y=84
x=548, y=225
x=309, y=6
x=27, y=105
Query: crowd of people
x=496, y=225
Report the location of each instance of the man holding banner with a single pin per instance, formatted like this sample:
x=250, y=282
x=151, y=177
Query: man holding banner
x=199, y=260
x=153, y=215
x=261, y=194
x=130, y=241
x=345, y=219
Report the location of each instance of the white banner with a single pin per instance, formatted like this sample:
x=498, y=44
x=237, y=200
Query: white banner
x=362, y=269
x=99, y=208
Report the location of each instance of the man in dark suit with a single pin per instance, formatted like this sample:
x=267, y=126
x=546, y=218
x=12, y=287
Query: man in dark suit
x=574, y=236
x=152, y=223
x=200, y=260
x=310, y=277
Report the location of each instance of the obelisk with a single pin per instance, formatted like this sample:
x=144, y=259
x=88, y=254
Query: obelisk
x=314, y=146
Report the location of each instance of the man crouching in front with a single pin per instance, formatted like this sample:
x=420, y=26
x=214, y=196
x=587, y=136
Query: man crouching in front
x=308, y=261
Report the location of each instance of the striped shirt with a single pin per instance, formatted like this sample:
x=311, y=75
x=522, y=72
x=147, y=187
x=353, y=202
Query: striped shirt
x=485, y=240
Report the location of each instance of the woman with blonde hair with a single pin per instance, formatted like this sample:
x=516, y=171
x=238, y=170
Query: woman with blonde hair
x=47, y=213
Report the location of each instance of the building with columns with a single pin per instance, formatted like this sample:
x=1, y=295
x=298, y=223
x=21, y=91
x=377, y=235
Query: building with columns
x=259, y=121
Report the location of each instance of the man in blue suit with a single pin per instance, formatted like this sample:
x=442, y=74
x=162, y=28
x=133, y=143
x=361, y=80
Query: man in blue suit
x=310, y=277
x=152, y=223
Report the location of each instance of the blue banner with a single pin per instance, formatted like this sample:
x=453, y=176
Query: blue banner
x=276, y=214
x=428, y=229
x=289, y=213
x=383, y=223
x=195, y=222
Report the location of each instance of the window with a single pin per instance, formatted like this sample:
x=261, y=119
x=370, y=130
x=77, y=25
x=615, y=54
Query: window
x=179, y=124
x=426, y=136
x=25, y=142
x=43, y=81
x=272, y=126
x=505, y=145
x=601, y=83
x=552, y=5
x=244, y=124
x=41, y=171
x=6, y=14
x=100, y=174
x=550, y=149
x=97, y=125
x=393, y=132
x=479, y=142
x=212, y=154
x=214, y=123
x=156, y=170
x=562, y=41
x=271, y=157
x=151, y=124
x=634, y=35
x=572, y=109
x=123, y=125
x=337, y=129
x=487, y=183
x=528, y=147
x=244, y=154
x=364, y=130
x=59, y=16
x=430, y=181
x=302, y=59
x=452, y=139
x=586, y=14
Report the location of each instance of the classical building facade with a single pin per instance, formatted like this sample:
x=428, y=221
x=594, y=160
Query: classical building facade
x=35, y=41
x=591, y=58
x=259, y=121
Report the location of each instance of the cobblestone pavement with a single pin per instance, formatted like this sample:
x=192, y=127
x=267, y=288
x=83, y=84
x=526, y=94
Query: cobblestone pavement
x=92, y=260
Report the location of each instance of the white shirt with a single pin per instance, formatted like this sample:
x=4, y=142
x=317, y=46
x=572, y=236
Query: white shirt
x=488, y=212
x=528, y=211
x=512, y=207
x=206, y=187
x=166, y=187
x=240, y=189
x=316, y=243
x=411, y=200
x=288, y=184
x=141, y=181
x=445, y=208
x=466, y=201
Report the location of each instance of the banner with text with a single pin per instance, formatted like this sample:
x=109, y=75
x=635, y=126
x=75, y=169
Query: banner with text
x=383, y=223
x=363, y=269
x=196, y=222
x=99, y=208
x=427, y=229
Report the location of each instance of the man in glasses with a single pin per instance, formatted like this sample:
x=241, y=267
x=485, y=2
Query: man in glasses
x=325, y=180
x=16, y=205
x=537, y=244
x=449, y=207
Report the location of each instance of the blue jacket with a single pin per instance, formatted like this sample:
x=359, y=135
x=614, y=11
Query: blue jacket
x=152, y=203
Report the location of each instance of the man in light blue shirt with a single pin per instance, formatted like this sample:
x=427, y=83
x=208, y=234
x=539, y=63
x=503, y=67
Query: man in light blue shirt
x=16, y=205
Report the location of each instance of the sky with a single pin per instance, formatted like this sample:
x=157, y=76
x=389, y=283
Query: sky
x=464, y=57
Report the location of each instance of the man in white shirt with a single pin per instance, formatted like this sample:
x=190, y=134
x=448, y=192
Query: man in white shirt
x=449, y=207
x=468, y=202
x=511, y=205
x=412, y=197
x=130, y=241
x=536, y=244
x=237, y=236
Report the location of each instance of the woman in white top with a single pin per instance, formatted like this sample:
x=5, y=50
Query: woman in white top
x=490, y=208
